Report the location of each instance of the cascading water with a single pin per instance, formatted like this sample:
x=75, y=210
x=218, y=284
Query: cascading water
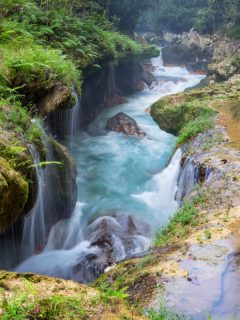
x=66, y=122
x=34, y=227
x=37, y=222
x=125, y=190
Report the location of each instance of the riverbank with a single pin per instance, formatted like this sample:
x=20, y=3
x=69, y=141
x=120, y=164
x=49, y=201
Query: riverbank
x=189, y=266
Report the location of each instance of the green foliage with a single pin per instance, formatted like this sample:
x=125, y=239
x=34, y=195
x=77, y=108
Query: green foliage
x=107, y=293
x=205, y=15
x=185, y=119
x=40, y=39
x=61, y=307
x=236, y=61
x=20, y=307
x=46, y=163
x=17, y=308
x=127, y=11
x=178, y=226
x=165, y=314
x=192, y=128
x=17, y=118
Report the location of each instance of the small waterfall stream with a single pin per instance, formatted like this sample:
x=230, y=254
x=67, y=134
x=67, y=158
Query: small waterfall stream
x=125, y=188
x=34, y=227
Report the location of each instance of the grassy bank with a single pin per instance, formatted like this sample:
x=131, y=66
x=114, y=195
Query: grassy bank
x=192, y=112
x=42, y=46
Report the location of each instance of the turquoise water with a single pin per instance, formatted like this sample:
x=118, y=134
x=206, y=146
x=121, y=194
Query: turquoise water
x=126, y=188
x=113, y=167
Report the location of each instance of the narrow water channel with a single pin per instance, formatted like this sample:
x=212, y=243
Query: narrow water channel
x=126, y=188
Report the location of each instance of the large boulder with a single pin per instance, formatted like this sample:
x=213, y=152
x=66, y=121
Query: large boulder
x=121, y=122
x=225, y=69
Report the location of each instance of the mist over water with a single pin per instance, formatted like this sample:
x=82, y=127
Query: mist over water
x=126, y=188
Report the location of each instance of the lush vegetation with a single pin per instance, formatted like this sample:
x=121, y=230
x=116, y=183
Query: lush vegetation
x=204, y=15
x=44, y=43
x=185, y=118
x=178, y=225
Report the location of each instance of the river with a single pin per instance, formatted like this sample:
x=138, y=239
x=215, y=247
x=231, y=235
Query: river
x=126, y=188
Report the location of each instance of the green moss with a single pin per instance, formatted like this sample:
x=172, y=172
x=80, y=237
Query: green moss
x=192, y=128
x=14, y=190
x=150, y=51
x=166, y=314
x=173, y=118
x=16, y=174
x=178, y=227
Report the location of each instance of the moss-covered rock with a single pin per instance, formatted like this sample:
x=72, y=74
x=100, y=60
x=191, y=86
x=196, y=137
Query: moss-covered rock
x=17, y=178
x=225, y=69
x=174, y=112
x=191, y=112
x=14, y=191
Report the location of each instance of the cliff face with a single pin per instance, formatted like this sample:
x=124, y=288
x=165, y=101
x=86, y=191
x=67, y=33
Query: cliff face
x=108, y=86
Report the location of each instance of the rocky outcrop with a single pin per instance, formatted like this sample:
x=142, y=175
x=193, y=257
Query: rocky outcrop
x=172, y=113
x=60, y=97
x=196, y=51
x=124, y=124
x=225, y=69
x=189, y=49
x=20, y=140
x=107, y=86
x=14, y=192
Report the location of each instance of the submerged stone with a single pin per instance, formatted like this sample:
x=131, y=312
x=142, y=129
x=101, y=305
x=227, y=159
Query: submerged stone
x=121, y=122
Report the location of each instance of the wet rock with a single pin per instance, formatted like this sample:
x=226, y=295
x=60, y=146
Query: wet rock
x=14, y=191
x=121, y=122
x=64, y=180
x=224, y=70
x=148, y=78
x=190, y=49
x=59, y=97
x=18, y=185
x=114, y=99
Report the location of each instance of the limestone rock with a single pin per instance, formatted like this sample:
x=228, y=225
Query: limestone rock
x=125, y=124
x=14, y=191
x=58, y=98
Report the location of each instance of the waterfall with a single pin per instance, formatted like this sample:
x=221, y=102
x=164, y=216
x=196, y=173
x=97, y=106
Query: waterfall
x=65, y=123
x=82, y=252
x=34, y=227
x=191, y=174
x=44, y=214
x=127, y=188
x=111, y=81
x=165, y=184
x=188, y=178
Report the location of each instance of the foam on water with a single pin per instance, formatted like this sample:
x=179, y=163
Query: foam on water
x=125, y=189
